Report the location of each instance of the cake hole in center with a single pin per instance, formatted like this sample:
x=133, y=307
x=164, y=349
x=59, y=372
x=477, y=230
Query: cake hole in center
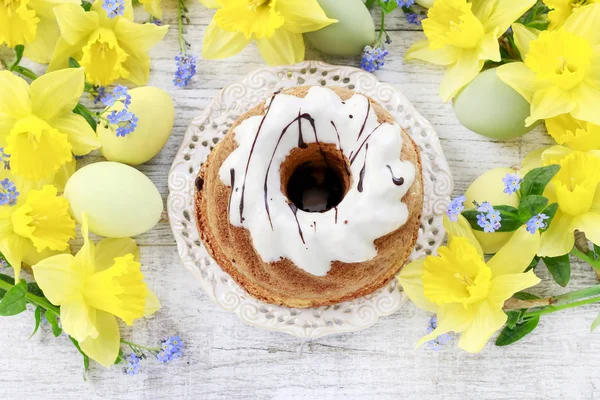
x=316, y=179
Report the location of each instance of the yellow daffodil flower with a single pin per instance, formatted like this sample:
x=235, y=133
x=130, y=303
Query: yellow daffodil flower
x=94, y=287
x=276, y=26
x=560, y=10
x=560, y=74
x=152, y=7
x=576, y=190
x=37, y=125
x=573, y=133
x=465, y=292
x=34, y=223
x=108, y=48
x=31, y=23
x=463, y=35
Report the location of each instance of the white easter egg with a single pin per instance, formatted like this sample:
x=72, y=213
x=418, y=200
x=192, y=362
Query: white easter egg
x=119, y=200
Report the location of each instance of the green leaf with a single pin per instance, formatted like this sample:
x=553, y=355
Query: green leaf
x=73, y=63
x=530, y=206
x=513, y=317
x=533, y=263
x=596, y=323
x=56, y=329
x=512, y=335
x=120, y=357
x=34, y=289
x=39, y=311
x=8, y=279
x=510, y=219
x=525, y=296
x=86, y=359
x=369, y=3
x=537, y=179
x=85, y=113
x=19, y=49
x=86, y=5
x=550, y=211
x=388, y=7
x=560, y=268
x=15, y=300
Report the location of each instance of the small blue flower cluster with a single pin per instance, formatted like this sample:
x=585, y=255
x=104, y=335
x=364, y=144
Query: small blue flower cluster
x=512, y=183
x=441, y=340
x=3, y=262
x=186, y=69
x=114, y=8
x=415, y=18
x=133, y=364
x=489, y=218
x=8, y=193
x=455, y=208
x=126, y=120
x=405, y=3
x=537, y=222
x=373, y=58
x=171, y=349
x=4, y=158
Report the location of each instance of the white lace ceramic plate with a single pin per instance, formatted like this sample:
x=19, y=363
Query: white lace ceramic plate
x=213, y=123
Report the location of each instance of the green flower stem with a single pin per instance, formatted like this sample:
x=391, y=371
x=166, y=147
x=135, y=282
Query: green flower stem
x=381, y=28
x=180, y=7
x=587, y=258
x=135, y=346
x=551, y=309
x=552, y=301
x=33, y=299
x=26, y=72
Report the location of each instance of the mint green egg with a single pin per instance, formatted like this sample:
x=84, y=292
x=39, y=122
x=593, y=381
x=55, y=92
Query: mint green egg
x=491, y=108
x=349, y=36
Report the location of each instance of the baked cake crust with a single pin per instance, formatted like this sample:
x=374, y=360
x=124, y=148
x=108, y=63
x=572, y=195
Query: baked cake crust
x=282, y=282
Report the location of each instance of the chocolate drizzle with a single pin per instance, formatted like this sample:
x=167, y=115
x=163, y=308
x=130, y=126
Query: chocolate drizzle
x=295, y=211
x=340, y=148
x=336, y=213
x=250, y=156
x=365, y=121
x=199, y=183
x=353, y=155
x=363, y=170
x=232, y=176
x=397, y=181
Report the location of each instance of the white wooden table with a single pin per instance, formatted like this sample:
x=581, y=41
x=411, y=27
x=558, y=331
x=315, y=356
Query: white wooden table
x=224, y=358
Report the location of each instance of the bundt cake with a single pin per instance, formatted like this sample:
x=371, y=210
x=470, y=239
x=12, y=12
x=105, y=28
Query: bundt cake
x=312, y=198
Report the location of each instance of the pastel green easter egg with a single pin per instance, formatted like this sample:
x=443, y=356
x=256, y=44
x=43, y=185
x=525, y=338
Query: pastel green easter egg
x=491, y=108
x=489, y=187
x=349, y=36
x=119, y=200
x=155, y=112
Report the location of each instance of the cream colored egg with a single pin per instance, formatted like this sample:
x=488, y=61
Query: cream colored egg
x=489, y=187
x=119, y=200
x=155, y=112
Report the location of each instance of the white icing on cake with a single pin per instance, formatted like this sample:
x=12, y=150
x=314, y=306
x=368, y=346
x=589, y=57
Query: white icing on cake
x=370, y=214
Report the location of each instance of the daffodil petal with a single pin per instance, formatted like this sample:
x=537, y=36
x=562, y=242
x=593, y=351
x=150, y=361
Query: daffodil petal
x=75, y=23
x=40, y=50
x=85, y=258
x=14, y=101
x=516, y=255
x=303, y=15
x=138, y=68
x=532, y=160
x=447, y=55
x=519, y=77
x=584, y=22
x=13, y=248
x=221, y=44
x=450, y=318
x=282, y=48
x=588, y=99
x=589, y=223
x=523, y=36
x=553, y=154
x=62, y=52
x=56, y=93
x=109, y=249
x=32, y=256
x=105, y=347
x=153, y=8
x=58, y=277
x=64, y=173
x=210, y=3
x=505, y=286
x=411, y=279
x=78, y=319
x=139, y=38
x=152, y=304
x=504, y=13
x=548, y=103
x=486, y=321
x=81, y=135
x=558, y=239
x=460, y=74
x=461, y=228
x=489, y=48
